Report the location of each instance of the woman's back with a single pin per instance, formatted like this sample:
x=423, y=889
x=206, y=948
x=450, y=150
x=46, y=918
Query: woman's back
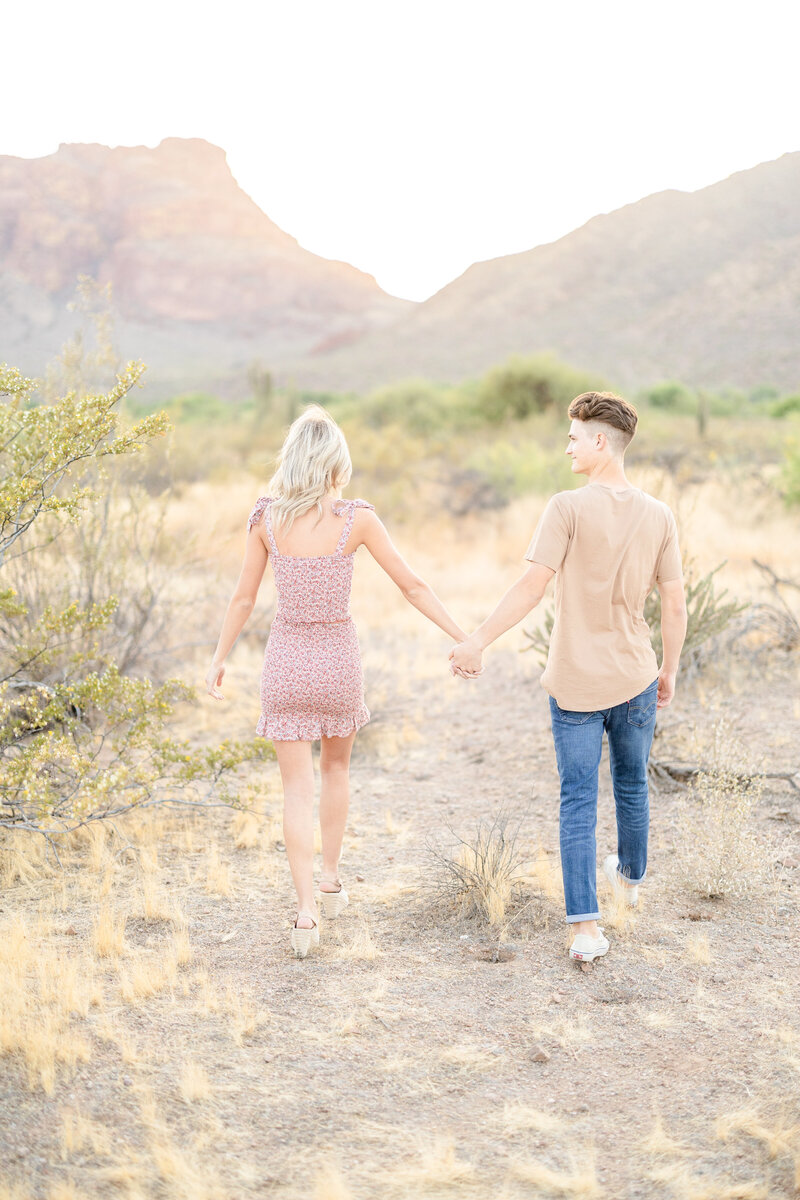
x=313, y=574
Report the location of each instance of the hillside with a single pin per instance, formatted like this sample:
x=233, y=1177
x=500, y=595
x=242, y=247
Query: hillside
x=200, y=274
x=702, y=287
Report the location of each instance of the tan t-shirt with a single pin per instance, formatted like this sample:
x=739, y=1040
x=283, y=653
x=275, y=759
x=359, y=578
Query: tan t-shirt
x=608, y=550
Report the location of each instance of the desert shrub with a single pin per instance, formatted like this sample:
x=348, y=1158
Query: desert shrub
x=789, y=481
x=79, y=739
x=527, y=385
x=719, y=850
x=670, y=396
x=708, y=614
x=194, y=407
x=417, y=406
x=118, y=549
x=514, y=468
x=481, y=876
x=787, y=406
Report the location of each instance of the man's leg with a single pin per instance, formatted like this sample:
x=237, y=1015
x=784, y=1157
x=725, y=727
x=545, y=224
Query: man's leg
x=578, y=740
x=630, y=735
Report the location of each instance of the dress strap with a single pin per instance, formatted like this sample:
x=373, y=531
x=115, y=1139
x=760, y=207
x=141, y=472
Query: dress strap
x=347, y=508
x=262, y=509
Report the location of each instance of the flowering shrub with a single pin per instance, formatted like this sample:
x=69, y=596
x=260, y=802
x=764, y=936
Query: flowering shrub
x=80, y=739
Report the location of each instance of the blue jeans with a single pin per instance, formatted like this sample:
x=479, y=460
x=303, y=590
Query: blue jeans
x=578, y=737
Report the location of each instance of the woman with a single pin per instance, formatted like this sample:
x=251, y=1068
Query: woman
x=311, y=684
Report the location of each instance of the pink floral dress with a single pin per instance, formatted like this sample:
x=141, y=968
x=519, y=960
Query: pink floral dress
x=311, y=684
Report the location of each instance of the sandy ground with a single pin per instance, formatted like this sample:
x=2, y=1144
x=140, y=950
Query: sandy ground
x=400, y=1060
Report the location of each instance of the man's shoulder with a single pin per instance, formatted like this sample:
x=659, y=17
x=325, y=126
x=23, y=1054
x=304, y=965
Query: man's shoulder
x=586, y=497
x=658, y=506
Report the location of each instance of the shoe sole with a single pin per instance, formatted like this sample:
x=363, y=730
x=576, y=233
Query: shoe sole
x=590, y=956
x=332, y=903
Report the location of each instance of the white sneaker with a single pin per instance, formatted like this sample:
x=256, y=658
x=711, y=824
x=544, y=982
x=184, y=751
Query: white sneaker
x=630, y=895
x=585, y=947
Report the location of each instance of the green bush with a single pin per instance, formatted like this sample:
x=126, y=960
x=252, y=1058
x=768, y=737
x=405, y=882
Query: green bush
x=527, y=385
x=790, y=476
x=80, y=740
x=515, y=468
x=787, y=406
x=673, y=397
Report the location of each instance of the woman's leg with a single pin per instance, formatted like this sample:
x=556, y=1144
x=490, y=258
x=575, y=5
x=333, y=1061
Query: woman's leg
x=297, y=776
x=334, y=800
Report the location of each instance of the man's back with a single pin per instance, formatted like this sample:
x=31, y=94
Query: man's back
x=608, y=548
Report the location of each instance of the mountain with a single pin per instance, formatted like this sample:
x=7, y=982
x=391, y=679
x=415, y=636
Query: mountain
x=202, y=279
x=702, y=287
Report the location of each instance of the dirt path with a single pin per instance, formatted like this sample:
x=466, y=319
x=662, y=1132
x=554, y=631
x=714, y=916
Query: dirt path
x=397, y=1061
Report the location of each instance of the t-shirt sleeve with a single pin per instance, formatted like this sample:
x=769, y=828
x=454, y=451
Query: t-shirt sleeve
x=669, y=565
x=551, y=537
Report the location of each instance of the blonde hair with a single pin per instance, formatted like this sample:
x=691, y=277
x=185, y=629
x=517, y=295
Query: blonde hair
x=314, y=460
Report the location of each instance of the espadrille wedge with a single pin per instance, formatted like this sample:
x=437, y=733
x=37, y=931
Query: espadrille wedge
x=304, y=939
x=332, y=903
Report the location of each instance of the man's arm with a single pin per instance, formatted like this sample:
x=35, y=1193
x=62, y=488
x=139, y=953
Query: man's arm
x=673, y=633
x=519, y=600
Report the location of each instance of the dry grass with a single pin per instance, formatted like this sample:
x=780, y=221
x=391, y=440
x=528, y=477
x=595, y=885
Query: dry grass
x=578, y=1181
x=519, y=1118
x=144, y=1011
x=659, y=1143
x=330, y=1185
x=719, y=850
x=437, y=1166
x=482, y=877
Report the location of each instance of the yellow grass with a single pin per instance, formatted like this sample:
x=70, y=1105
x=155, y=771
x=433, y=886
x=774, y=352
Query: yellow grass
x=658, y=1142
x=329, y=1184
x=698, y=948
x=580, y=1181
x=779, y=1138
x=194, y=1082
x=517, y=1118
x=469, y=1058
x=437, y=1166
x=108, y=933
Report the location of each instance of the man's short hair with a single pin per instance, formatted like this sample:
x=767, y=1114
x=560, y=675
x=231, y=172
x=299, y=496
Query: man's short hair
x=608, y=409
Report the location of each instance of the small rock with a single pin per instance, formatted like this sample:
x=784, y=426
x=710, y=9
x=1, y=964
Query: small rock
x=539, y=1054
x=280, y=846
x=71, y=930
x=267, y=1057
x=555, y=998
x=587, y=967
x=126, y=1079
x=789, y=860
x=359, y=878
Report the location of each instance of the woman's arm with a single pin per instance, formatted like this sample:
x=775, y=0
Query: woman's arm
x=241, y=604
x=372, y=534
x=518, y=601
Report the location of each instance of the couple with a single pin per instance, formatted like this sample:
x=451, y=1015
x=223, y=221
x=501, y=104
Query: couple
x=607, y=543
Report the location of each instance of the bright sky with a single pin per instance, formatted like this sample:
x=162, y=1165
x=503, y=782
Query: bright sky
x=414, y=137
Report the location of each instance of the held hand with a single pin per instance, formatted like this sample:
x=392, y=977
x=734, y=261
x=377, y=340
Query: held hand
x=466, y=661
x=666, y=689
x=214, y=681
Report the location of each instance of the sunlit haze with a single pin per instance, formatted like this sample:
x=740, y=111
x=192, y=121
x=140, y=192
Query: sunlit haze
x=414, y=139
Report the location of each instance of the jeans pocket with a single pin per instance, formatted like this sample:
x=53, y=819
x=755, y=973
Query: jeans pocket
x=642, y=708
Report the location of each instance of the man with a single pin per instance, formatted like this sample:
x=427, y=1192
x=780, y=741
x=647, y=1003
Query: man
x=607, y=543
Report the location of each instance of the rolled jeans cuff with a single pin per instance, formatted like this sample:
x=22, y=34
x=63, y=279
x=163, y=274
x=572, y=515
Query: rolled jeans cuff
x=595, y=916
